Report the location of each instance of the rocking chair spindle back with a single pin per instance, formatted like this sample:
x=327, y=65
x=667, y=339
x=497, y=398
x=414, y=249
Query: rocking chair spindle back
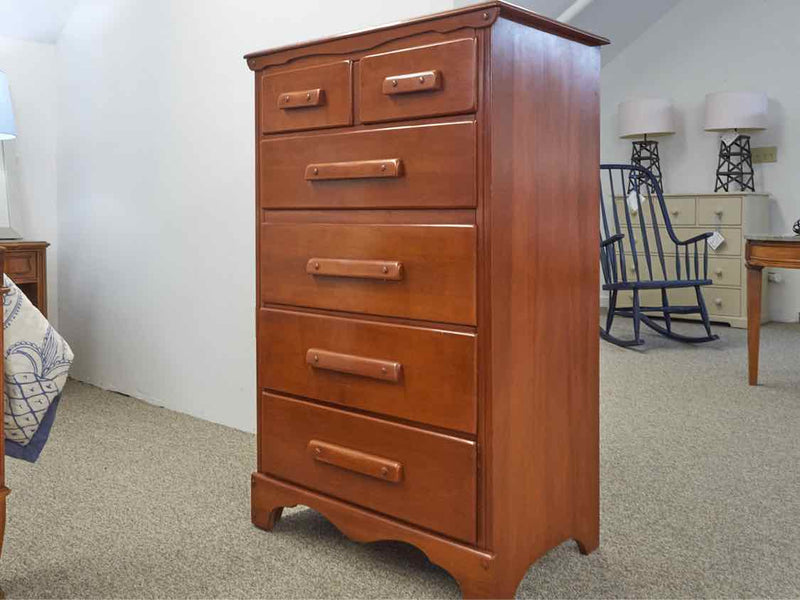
x=635, y=228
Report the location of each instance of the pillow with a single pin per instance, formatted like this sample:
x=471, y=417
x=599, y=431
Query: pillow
x=37, y=361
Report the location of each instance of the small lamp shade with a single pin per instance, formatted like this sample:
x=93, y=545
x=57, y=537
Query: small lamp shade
x=8, y=130
x=745, y=111
x=645, y=116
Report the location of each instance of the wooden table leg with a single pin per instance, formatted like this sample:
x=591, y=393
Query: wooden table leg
x=2, y=521
x=753, y=320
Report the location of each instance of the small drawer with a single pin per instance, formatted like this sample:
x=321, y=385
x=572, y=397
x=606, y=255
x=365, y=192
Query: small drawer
x=732, y=246
x=414, y=373
x=725, y=302
x=425, y=478
x=426, y=166
x=725, y=210
x=725, y=271
x=310, y=98
x=21, y=265
x=681, y=211
x=426, y=81
x=414, y=271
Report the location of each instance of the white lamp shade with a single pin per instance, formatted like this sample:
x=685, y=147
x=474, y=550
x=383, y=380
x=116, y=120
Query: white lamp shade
x=645, y=116
x=8, y=130
x=736, y=110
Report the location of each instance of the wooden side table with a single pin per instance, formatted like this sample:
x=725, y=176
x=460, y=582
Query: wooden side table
x=26, y=264
x=771, y=251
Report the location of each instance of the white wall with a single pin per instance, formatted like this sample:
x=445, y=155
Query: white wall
x=156, y=189
x=709, y=46
x=31, y=157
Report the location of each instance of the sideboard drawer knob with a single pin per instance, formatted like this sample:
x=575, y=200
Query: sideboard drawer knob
x=718, y=301
x=675, y=212
x=718, y=272
x=718, y=212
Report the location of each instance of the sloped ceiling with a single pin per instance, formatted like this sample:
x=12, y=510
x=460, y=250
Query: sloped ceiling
x=34, y=20
x=621, y=21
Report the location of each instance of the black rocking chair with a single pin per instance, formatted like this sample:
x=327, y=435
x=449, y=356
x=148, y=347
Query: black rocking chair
x=632, y=255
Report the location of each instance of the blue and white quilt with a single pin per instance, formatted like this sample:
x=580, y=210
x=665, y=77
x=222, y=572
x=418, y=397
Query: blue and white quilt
x=37, y=360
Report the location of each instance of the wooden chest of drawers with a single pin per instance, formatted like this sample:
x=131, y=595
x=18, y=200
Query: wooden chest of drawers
x=735, y=215
x=427, y=287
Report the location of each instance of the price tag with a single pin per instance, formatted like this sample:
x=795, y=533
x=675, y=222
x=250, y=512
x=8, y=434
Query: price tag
x=716, y=240
x=633, y=201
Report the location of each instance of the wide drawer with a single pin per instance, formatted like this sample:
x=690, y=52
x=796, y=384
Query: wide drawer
x=722, y=302
x=425, y=166
x=722, y=271
x=439, y=79
x=414, y=373
x=309, y=98
x=425, y=478
x=21, y=265
x=732, y=246
x=415, y=271
x=725, y=210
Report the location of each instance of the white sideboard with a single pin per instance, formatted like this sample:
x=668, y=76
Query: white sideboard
x=734, y=214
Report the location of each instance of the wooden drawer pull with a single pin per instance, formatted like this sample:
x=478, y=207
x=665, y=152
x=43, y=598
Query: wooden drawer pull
x=357, y=169
x=424, y=81
x=301, y=99
x=353, y=460
x=386, y=370
x=388, y=270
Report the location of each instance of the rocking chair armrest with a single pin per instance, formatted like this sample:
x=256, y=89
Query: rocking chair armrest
x=612, y=240
x=697, y=238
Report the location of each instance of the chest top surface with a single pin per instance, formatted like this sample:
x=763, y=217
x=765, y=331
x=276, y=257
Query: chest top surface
x=475, y=16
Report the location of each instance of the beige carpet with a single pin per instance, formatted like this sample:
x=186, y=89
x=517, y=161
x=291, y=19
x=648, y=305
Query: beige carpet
x=700, y=498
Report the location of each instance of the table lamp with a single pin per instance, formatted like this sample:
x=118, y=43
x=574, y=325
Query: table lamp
x=733, y=113
x=8, y=131
x=642, y=117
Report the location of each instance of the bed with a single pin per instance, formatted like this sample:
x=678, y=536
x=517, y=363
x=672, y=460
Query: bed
x=34, y=362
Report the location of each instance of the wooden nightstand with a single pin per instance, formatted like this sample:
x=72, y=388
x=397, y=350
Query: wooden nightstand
x=26, y=264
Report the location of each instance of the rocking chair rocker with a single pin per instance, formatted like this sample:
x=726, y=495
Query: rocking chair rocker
x=632, y=234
